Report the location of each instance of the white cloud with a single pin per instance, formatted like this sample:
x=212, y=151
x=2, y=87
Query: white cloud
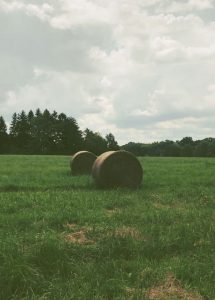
x=78, y=12
x=211, y=89
x=62, y=92
x=41, y=11
x=167, y=49
x=141, y=69
x=11, y=6
x=188, y=5
x=105, y=82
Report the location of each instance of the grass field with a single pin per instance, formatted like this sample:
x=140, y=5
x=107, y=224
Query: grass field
x=61, y=238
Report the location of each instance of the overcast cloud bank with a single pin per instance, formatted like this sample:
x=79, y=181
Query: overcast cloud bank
x=144, y=70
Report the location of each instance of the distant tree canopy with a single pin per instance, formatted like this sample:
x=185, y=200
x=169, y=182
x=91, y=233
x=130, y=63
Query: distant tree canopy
x=52, y=133
x=186, y=148
x=111, y=142
x=49, y=133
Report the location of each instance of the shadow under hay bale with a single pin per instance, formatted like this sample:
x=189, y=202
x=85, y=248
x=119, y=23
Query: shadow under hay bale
x=81, y=163
x=117, y=169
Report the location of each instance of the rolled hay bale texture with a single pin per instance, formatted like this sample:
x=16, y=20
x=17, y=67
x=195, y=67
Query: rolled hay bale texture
x=81, y=162
x=117, y=169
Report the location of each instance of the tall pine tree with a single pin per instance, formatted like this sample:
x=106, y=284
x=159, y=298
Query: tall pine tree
x=69, y=135
x=3, y=136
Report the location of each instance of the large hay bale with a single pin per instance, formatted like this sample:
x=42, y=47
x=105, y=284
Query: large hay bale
x=82, y=162
x=117, y=169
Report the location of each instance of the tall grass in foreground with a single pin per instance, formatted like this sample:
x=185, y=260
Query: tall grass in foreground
x=61, y=238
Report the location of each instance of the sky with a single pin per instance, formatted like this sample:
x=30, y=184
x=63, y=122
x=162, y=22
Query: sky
x=143, y=70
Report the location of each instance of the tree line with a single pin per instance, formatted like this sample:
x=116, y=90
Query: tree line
x=186, y=147
x=50, y=133
x=43, y=132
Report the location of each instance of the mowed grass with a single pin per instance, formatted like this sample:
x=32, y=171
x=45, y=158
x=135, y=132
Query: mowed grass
x=62, y=238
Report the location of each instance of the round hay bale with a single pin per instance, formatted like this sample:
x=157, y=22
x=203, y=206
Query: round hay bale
x=117, y=169
x=82, y=162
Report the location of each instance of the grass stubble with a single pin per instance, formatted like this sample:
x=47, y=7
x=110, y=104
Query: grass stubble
x=61, y=238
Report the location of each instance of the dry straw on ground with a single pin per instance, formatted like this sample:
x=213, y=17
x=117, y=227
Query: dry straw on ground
x=124, y=232
x=82, y=162
x=171, y=289
x=117, y=169
x=77, y=236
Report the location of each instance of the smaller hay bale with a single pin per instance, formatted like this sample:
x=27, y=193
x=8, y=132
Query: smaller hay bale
x=81, y=162
x=117, y=169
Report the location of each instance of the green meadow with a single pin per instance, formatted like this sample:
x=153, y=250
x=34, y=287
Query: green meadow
x=62, y=238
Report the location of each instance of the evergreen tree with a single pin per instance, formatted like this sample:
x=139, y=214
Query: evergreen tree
x=13, y=134
x=69, y=135
x=53, y=133
x=30, y=118
x=47, y=133
x=3, y=136
x=23, y=132
x=3, y=126
x=13, y=131
x=38, y=113
x=42, y=132
x=36, y=132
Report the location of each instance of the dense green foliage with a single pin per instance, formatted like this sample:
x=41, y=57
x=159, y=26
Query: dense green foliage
x=3, y=136
x=61, y=238
x=50, y=133
x=183, y=148
x=53, y=133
